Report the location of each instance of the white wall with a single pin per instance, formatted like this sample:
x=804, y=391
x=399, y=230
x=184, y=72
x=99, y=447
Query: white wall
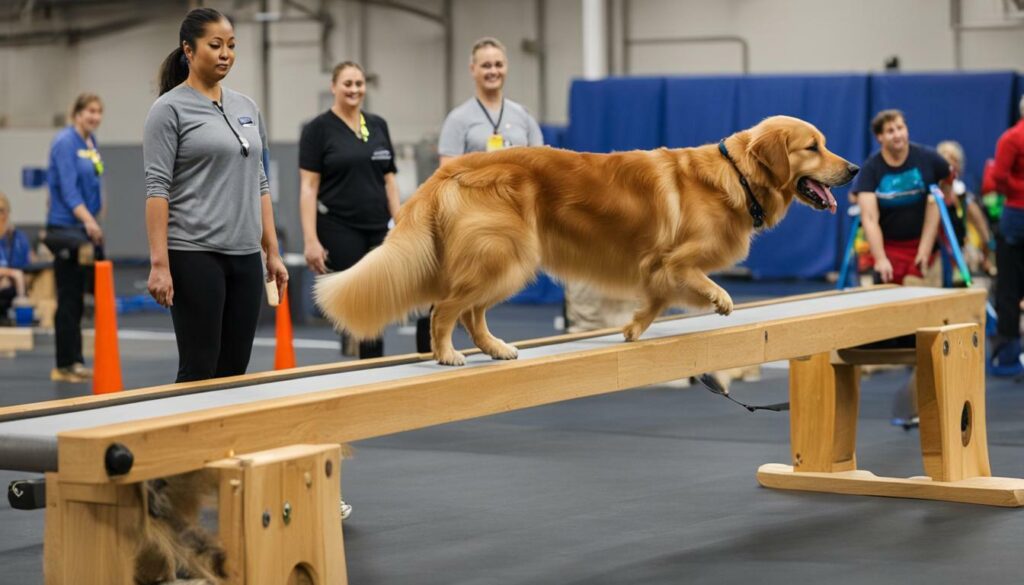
x=122, y=69
x=19, y=148
x=564, y=39
x=511, y=22
x=406, y=53
x=820, y=35
x=35, y=83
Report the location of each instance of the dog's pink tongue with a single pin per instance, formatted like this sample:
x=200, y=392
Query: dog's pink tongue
x=825, y=193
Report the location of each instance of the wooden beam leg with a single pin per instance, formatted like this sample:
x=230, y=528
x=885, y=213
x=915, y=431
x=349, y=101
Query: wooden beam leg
x=951, y=402
x=951, y=392
x=824, y=399
x=280, y=522
x=91, y=532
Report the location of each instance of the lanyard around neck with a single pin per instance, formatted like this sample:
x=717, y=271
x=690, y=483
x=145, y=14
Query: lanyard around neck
x=364, y=130
x=363, y=133
x=241, y=139
x=501, y=113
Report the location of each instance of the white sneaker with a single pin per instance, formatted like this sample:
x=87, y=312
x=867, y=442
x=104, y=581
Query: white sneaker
x=346, y=510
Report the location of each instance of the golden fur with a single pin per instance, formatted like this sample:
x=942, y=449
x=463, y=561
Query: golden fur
x=644, y=223
x=173, y=545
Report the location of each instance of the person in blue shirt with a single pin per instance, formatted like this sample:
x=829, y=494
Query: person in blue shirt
x=14, y=256
x=74, y=173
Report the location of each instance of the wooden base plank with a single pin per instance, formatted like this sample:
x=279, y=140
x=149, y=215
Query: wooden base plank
x=990, y=491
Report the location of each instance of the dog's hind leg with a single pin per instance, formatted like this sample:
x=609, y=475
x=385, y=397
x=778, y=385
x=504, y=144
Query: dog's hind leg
x=643, y=318
x=474, y=301
x=476, y=325
x=442, y=324
x=495, y=279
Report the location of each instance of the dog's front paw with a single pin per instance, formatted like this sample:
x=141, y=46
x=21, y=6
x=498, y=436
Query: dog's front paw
x=723, y=303
x=501, y=351
x=450, y=358
x=633, y=331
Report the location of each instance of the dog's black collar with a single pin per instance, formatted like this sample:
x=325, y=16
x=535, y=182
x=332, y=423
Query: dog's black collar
x=753, y=207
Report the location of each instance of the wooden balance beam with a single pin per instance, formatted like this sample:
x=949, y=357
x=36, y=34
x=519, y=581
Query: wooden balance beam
x=97, y=449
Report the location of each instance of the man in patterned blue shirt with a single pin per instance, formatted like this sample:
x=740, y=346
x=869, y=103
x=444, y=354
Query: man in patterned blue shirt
x=900, y=219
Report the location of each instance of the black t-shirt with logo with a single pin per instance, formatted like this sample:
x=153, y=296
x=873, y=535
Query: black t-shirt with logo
x=351, y=170
x=902, y=191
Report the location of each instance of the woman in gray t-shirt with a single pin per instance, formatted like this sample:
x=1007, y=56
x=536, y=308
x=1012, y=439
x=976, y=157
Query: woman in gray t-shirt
x=485, y=122
x=208, y=210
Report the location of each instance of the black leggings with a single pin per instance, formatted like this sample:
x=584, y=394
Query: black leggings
x=1009, y=288
x=216, y=307
x=7, y=295
x=345, y=246
x=71, y=280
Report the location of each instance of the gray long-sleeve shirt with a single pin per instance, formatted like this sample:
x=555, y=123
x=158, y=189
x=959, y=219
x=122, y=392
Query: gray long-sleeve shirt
x=194, y=160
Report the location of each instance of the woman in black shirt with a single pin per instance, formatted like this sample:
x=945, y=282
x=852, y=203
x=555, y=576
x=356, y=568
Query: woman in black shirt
x=348, y=187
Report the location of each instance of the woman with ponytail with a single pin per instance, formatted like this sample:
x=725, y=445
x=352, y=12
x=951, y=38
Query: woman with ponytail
x=208, y=211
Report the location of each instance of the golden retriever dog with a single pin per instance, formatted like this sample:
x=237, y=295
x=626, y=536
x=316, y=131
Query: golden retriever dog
x=650, y=224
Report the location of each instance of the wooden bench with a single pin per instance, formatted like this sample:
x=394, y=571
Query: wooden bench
x=15, y=339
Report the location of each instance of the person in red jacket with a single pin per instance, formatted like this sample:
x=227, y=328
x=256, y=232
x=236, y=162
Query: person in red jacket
x=1007, y=177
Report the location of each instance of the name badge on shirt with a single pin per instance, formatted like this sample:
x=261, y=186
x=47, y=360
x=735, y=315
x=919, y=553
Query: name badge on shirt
x=495, y=142
x=245, y=121
x=94, y=156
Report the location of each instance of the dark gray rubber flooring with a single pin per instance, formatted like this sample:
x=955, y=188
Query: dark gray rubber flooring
x=655, y=485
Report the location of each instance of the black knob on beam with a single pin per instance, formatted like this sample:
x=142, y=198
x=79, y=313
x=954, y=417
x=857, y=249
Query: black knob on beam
x=118, y=460
x=27, y=494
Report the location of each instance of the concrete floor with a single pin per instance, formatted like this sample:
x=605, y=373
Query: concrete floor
x=650, y=486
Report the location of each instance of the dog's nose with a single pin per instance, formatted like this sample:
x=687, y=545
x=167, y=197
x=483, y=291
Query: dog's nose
x=853, y=169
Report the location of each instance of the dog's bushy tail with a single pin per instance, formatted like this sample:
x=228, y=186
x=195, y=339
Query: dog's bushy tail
x=390, y=281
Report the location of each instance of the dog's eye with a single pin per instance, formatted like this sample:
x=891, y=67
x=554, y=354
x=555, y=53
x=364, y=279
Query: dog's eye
x=813, y=147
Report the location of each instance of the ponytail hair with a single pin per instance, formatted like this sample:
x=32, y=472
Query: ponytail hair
x=174, y=69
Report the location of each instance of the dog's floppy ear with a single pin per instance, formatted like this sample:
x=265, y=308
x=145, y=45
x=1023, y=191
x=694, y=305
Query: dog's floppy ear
x=770, y=147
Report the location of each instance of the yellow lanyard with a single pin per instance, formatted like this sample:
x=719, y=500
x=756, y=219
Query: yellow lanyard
x=364, y=132
x=93, y=155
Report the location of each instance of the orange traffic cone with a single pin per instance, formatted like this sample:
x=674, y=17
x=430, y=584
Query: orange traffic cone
x=284, y=353
x=107, y=361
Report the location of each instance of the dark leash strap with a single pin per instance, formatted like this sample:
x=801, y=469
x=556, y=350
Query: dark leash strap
x=753, y=207
x=712, y=384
